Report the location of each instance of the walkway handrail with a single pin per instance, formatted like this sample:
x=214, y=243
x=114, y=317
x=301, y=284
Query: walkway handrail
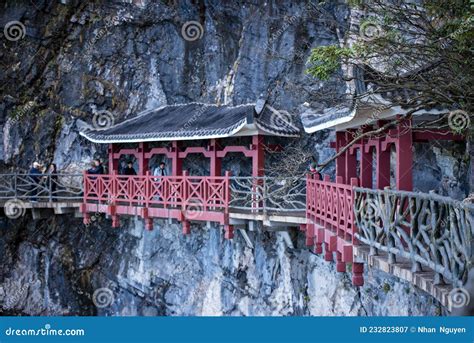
x=267, y=195
x=330, y=205
x=44, y=187
x=427, y=229
x=196, y=193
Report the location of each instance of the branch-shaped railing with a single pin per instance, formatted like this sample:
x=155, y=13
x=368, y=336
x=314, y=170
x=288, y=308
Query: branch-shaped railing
x=268, y=195
x=427, y=229
x=47, y=187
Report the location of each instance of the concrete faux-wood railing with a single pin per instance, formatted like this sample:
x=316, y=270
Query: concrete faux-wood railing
x=423, y=238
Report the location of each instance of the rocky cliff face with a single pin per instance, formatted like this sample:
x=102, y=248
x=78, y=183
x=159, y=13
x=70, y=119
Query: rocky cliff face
x=60, y=267
x=78, y=58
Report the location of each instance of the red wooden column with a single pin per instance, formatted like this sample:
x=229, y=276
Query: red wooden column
x=341, y=160
x=113, y=162
x=366, y=165
x=403, y=145
x=258, y=156
x=176, y=161
x=258, y=167
x=142, y=159
x=186, y=224
x=358, y=274
x=351, y=160
x=382, y=158
x=216, y=162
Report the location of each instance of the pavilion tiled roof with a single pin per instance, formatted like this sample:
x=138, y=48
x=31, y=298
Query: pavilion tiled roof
x=368, y=91
x=196, y=121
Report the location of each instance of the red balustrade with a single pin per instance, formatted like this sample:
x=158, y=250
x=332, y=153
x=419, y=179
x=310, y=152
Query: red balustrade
x=330, y=217
x=184, y=198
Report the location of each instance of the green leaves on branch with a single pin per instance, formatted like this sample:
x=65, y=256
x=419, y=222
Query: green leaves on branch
x=326, y=60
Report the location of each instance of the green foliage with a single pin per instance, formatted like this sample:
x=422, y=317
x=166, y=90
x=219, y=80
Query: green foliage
x=326, y=60
x=398, y=40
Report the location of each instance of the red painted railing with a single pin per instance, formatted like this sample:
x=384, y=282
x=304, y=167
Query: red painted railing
x=182, y=197
x=330, y=215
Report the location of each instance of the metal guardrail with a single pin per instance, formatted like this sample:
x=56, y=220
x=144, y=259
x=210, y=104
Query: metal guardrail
x=47, y=187
x=427, y=229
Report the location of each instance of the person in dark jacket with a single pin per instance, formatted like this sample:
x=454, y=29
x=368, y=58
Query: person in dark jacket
x=96, y=168
x=99, y=166
x=128, y=170
x=52, y=173
x=35, y=175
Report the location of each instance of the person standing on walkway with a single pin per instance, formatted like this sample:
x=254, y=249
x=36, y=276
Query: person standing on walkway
x=161, y=170
x=128, y=170
x=35, y=174
x=96, y=168
x=52, y=174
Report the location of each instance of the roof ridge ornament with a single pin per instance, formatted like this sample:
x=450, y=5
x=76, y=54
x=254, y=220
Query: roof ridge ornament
x=260, y=105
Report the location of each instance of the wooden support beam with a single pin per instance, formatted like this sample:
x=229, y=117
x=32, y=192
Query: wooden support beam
x=366, y=166
x=141, y=158
x=176, y=161
x=157, y=151
x=258, y=158
x=404, y=150
x=113, y=162
x=215, y=161
x=431, y=135
x=382, y=157
x=350, y=161
x=328, y=256
x=340, y=160
x=358, y=274
x=340, y=266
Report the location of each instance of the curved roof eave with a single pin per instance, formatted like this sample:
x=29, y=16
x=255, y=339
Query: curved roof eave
x=331, y=123
x=111, y=139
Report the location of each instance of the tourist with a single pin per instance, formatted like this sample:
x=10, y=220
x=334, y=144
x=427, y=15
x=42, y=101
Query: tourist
x=161, y=170
x=313, y=165
x=96, y=168
x=35, y=175
x=52, y=174
x=99, y=166
x=128, y=170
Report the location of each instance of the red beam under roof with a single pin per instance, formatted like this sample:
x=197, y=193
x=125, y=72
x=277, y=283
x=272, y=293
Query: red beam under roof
x=431, y=135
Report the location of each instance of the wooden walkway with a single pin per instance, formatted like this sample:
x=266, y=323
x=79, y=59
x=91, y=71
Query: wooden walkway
x=346, y=223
